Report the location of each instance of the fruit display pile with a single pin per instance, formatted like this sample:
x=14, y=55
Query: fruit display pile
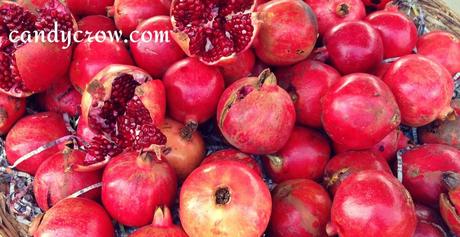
x=275, y=118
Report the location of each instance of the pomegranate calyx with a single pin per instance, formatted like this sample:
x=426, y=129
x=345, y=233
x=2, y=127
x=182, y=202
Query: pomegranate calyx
x=162, y=217
x=343, y=10
x=337, y=177
x=451, y=180
x=276, y=162
x=187, y=131
x=223, y=196
x=266, y=78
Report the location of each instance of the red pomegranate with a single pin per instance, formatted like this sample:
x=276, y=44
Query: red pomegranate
x=441, y=132
x=11, y=110
x=90, y=57
x=372, y=203
x=158, y=55
x=441, y=47
x=354, y=46
x=425, y=229
x=86, y=8
x=215, y=30
x=224, y=198
x=94, y=24
x=399, y=33
x=376, y=4
x=162, y=226
x=134, y=184
x=235, y=155
x=61, y=97
x=359, y=111
x=423, y=89
x=333, y=12
x=55, y=179
x=304, y=156
x=301, y=207
x=256, y=115
x=32, y=67
x=29, y=134
x=449, y=203
x=184, y=154
x=422, y=170
x=75, y=217
x=238, y=67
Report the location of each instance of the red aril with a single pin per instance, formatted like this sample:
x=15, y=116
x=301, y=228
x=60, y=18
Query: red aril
x=134, y=184
x=399, y=33
x=238, y=67
x=30, y=133
x=214, y=30
x=235, y=155
x=288, y=32
x=441, y=47
x=94, y=24
x=224, y=198
x=157, y=55
x=61, y=97
x=354, y=46
x=85, y=8
x=359, y=111
x=301, y=207
x=304, y=156
x=256, y=115
x=376, y=4
x=11, y=110
x=423, y=89
x=55, y=179
x=449, y=202
x=162, y=226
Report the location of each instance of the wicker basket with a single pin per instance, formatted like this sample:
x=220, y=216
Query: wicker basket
x=428, y=14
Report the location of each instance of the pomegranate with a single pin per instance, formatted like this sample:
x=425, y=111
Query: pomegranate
x=96, y=23
x=232, y=154
x=193, y=90
x=441, y=132
x=55, y=179
x=184, y=154
x=238, y=67
x=256, y=115
x=90, y=57
x=300, y=208
x=304, y=156
x=11, y=110
x=333, y=12
x=354, y=46
x=155, y=56
x=85, y=8
x=75, y=217
x=32, y=67
x=122, y=107
x=213, y=30
x=345, y=164
x=422, y=170
x=441, y=47
x=162, y=226
x=399, y=33
x=129, y=13
x=307, y=82
x=288, y=32
x=425, y=229
x=359, y=111
x=30, y=133
x=423, y=89
x=224, y=198
x=134, y=184
x=449, y=203
x=61, y=97
x=372, y=203
x=427, y=214
x=376, y=4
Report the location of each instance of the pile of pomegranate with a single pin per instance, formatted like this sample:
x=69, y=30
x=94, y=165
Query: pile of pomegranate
x=278, y=118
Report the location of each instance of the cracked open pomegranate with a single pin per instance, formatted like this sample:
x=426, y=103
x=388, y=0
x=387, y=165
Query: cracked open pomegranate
x=449, y=203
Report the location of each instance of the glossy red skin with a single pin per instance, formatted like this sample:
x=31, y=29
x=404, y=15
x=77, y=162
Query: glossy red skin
x=425, y=229
x=354, y=46
x=90, y=58
x=183, y=154
x=96, y=23
x=31, y=132
x=375, y=204
x=423, y=89
x=11, y=110
x=386, y=148
x=133, y=187
x=193, y=90
x=328, y=14
x=162, y=226
x=76, y=217
x=287, y=33
x=129, y=13
x=247, y=213
x=343, y=165
x=301, y=207
x=359, y=111
x=55, y=179
x=441, y=132
x=262, y=121
x=442, y=47
x=61, y=97
x=308, y=81
x=304, y=156
x=155, y=57
x=399, y=33
x=427, y=214
x=379, y=4
x=85, y=8
x=238, y=67
x=422, y=170
x=235, y=155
